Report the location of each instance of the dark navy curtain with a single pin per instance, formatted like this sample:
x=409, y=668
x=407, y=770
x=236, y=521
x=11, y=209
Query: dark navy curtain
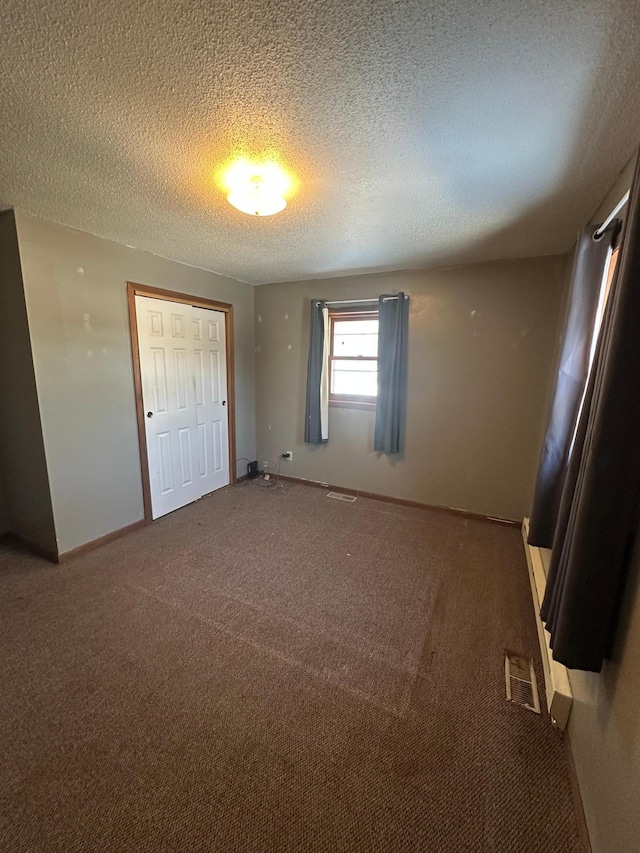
x=588, y=269
x=393, y=312
x=600, y=503
x=316, y=413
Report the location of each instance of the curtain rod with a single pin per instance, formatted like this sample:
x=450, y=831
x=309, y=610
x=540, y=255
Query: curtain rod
x=359, y=301
x=597, y=234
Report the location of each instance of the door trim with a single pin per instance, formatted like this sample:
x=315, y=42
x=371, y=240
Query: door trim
x=134, y=290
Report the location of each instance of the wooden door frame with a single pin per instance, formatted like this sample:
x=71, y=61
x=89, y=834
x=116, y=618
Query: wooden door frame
x=134, y=290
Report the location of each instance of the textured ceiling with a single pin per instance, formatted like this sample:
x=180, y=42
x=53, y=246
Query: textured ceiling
x=422, y=133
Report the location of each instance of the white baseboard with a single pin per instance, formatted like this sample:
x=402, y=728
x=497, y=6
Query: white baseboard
x=556, y=676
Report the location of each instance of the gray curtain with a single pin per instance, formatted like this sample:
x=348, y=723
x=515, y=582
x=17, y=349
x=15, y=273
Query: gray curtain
x=315, y=426
x=601, y=497
x=392, y=373
x=586, y=279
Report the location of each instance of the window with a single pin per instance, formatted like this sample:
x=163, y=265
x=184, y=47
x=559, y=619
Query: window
x=353, y=359
x=605, y=287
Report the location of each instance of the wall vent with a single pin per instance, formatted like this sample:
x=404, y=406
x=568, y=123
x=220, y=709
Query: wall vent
x=338, y=496
x=520, y=680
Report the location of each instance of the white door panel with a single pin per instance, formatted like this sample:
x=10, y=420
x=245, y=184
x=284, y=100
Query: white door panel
x=211, y=397
x=183, y=371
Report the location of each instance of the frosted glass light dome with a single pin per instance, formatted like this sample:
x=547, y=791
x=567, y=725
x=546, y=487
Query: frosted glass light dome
x=257, y=187
x=256, y=198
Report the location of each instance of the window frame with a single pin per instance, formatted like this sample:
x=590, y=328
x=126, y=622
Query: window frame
x=350, y=401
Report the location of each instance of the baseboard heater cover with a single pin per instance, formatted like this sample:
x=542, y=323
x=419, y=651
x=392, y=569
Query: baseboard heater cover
x=556, y=676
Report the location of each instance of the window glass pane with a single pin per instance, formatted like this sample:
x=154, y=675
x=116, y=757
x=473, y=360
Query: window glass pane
x=354, y=345
x=354, y=377
x=355, y=337
x=356, y=327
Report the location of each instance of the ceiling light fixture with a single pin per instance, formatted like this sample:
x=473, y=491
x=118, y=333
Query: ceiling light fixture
x=256, y=198
x=258, y=189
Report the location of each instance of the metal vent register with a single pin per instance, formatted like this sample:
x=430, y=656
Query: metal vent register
x=521, y=684
x=337, y=496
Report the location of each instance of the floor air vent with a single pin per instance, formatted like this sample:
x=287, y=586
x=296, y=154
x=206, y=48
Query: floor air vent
x=521, y=684
x=337, y=496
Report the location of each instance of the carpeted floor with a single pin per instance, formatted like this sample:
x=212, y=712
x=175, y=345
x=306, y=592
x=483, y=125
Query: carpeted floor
x=270, y=670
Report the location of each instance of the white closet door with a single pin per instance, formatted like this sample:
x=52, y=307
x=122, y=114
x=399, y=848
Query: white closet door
x=210, y=365
x=183, y=372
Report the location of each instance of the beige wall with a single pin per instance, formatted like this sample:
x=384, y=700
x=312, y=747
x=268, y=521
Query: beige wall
x=75, y=288
x=482, y=341
x=23, y=468
x=604, y=728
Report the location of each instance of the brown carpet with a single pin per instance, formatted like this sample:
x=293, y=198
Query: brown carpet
x=270, y=670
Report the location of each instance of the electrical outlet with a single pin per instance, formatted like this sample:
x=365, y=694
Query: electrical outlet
x=288, y=455
x=265, y=464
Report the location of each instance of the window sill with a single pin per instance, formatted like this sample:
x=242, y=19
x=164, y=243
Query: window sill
x=352, y=404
